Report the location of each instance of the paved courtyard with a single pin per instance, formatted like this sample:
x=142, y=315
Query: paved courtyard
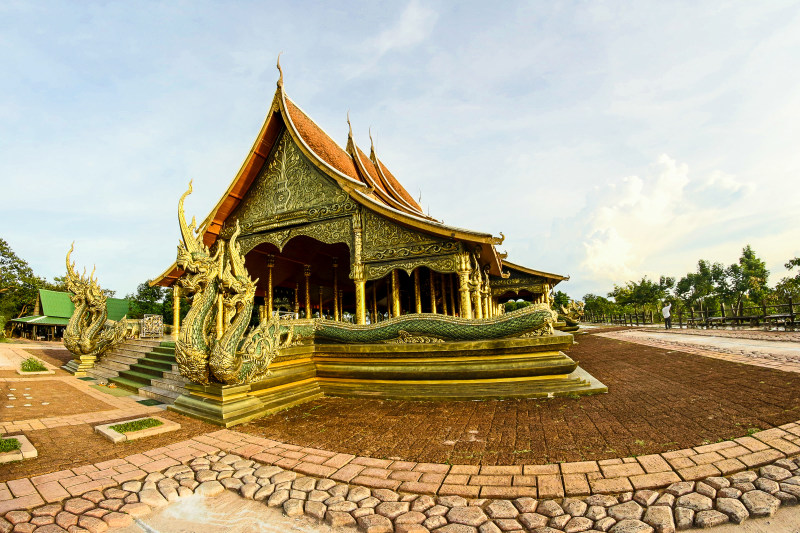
x=690, y=434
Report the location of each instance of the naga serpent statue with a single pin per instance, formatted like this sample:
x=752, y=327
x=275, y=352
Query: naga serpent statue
x=214, y=345
x=89, y=332
x=572, y=314
x=211, y=347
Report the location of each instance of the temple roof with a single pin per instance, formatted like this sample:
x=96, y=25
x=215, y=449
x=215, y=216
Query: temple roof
x=367, y=180
x=507, y=265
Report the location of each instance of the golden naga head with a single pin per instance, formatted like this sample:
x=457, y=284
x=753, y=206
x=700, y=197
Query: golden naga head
x=81, y=286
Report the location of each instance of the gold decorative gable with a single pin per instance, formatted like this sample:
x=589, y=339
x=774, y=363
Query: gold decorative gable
x=289, y=190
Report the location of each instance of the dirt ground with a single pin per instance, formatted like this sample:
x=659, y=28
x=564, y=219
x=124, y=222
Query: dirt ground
x=658, y=400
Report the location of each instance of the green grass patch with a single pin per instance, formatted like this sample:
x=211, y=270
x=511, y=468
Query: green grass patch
x=9, y=445
x=31, y=364
x=5, y=339
x=136, y=425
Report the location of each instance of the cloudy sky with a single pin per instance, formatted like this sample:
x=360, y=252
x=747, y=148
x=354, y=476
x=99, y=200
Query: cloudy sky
x=606, y=140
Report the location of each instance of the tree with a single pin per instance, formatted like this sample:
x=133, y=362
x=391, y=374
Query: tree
x=560, y=299
x=598, y=305
x=146, y=301
x=642, y=294
x=748, y=278
x=702, y=286
x=19, y=286
x=790, y=286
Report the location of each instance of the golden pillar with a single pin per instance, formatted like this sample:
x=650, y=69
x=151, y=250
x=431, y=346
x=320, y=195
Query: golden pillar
x=270, y=265
x=465, y=306
x=395, y=293
x=296, y=300
x=361, y=301
x=374, y=303
x=341, y=304
x=433, y=291
x=358, y=273
x=335, y=290
x=452, y=294
x=476, y=303
x=176, y=311
x=307, y=275
x=417, y=292
x=320, y=302
x=444, y=294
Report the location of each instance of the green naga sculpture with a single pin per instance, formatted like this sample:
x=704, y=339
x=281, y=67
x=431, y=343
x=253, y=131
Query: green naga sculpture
x=89, y=333
x=214, y=345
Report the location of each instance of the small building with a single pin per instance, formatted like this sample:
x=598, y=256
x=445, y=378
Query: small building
x=52, y=313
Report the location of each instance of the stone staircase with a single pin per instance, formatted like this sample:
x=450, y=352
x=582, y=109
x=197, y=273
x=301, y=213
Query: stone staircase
x=146, y=367
x=121, y=358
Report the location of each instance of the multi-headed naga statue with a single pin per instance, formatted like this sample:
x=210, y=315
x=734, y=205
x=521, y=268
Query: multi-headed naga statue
x=212, y=343
x=89, y=333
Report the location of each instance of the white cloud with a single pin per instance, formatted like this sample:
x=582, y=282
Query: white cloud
x=415, y=24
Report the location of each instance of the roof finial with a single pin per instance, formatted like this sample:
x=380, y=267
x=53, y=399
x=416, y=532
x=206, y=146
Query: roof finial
x=349, y=126
x=280, y=78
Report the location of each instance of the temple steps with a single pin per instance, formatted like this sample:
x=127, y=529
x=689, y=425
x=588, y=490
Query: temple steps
x=121, y=358
x=145, y=367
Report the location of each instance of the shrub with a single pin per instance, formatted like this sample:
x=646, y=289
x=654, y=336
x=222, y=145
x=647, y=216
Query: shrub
x=31, y=364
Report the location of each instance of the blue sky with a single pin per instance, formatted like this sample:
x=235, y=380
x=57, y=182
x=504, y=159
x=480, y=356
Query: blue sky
x=606, y=140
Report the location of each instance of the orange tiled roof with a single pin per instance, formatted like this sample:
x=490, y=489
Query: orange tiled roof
x=321, y=143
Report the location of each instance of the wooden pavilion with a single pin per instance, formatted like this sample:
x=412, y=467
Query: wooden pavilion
x=331, y=232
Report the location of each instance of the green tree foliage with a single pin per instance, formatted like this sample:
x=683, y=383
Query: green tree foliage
x=146, y=300
x=156, y=300
x=599, y=305
x=19, y=286
x=559, y=299
x=642, y=294
x=789, y=286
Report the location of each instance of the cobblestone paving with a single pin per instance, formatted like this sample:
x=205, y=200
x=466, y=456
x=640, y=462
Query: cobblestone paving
x=112, y=493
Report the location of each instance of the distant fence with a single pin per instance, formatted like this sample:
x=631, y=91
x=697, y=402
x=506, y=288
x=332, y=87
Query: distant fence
x=776, y=315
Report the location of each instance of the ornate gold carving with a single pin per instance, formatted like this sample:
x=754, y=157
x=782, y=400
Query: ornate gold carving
x=439, y=264
x=328, y=231
x=386, y=240
x=288, y=190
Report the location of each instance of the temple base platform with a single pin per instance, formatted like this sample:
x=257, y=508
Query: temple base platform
x=534, y=367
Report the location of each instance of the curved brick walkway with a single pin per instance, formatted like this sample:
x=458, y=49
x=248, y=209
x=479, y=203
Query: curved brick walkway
x=538, y=481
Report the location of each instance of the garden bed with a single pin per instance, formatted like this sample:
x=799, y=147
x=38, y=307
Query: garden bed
x=137, y=428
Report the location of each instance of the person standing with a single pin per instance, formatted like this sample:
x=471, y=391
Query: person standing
x=667, y=315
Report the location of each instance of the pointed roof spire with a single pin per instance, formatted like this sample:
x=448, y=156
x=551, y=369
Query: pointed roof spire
x=371, y=145
x=350, y=142
x=280, y=78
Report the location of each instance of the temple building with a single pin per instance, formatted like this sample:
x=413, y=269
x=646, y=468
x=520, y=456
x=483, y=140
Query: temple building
x=329, y=231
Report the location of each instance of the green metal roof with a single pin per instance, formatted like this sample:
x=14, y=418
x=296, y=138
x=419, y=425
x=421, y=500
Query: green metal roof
x=42, y=320
x=57, y=308
x=56, y=303
x=117, y=308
